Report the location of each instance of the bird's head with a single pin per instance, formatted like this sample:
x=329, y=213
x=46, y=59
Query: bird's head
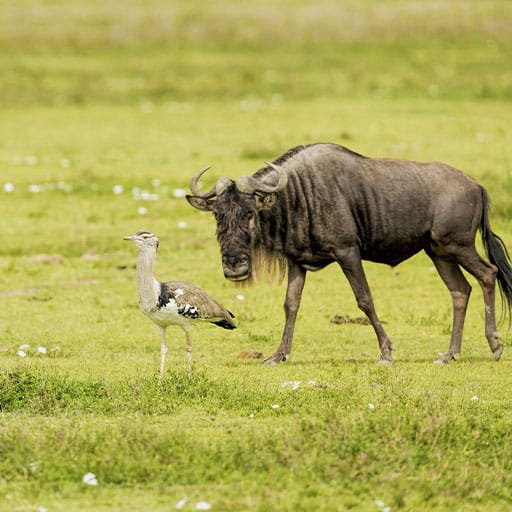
x=143, y=240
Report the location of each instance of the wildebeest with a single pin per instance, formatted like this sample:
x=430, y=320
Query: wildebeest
x=323, y=203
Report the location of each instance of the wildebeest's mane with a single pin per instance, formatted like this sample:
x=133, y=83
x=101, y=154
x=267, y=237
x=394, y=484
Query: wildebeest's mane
x=280, y=160
x=289, y=154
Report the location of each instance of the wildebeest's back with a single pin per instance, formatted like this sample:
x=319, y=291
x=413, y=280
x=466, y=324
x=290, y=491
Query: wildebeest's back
x=388, y=208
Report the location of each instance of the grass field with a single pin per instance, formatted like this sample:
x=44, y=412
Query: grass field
x=105, y=114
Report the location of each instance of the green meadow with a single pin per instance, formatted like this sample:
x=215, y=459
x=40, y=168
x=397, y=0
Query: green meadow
x=106, y=111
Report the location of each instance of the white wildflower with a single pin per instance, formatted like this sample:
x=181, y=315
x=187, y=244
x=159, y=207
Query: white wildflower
x=203, y=505
x=474, y=398
x=35, y=189
x=145, y=195
x=294, y=384
x=90, y=479
x=181, y=503
x=182, y=224
x=179, y=192
x=42, y=350
x=24, y=347
x=22, y=353
x=118, y=189
x=142, y=211
x=275, y=406
x=8, y=187
x=371, y=406
x=240, y=297
x=382, y=506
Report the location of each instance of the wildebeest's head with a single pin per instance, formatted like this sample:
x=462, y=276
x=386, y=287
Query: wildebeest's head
x=235, y=206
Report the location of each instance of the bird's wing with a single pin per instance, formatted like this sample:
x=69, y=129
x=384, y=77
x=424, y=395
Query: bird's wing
x=193, y=301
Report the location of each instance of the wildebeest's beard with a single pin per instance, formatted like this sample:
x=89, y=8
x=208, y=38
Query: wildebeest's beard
x=236, y=218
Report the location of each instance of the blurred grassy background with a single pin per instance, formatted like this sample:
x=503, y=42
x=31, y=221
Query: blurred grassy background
x=69, y=52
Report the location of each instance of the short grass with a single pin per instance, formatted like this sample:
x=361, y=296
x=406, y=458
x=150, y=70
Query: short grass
x=106, y=115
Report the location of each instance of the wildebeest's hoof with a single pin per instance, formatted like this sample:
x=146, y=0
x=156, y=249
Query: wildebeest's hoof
x=446, y=357
x=275, y=359
x=497, y=352
x=385, y=359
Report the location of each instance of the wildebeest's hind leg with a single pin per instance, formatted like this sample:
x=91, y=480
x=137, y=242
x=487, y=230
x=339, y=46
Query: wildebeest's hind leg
x=485, y=273
x=296, y=279
x=350, y=261
x=460, y=290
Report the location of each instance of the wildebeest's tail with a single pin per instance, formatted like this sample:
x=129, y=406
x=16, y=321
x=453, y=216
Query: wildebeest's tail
x=498, y=256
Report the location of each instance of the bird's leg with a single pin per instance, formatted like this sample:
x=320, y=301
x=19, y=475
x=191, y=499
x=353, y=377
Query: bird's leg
x=163, y=351
x=189, y=349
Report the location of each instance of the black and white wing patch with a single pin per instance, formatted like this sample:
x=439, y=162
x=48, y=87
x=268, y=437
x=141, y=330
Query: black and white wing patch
x=194, y=303
x=172, y=292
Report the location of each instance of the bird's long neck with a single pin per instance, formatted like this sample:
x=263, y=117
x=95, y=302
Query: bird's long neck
x=147, y=286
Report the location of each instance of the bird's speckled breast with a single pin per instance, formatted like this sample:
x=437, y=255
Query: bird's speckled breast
x=167, y=314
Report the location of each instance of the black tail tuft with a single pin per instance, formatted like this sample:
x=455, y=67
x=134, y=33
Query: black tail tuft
x=225, y=324
x=498, y=256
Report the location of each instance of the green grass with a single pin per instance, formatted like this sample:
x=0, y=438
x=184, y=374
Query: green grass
x=95, y=97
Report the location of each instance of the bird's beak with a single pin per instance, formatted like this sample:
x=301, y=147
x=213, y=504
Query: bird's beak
x=131, y=237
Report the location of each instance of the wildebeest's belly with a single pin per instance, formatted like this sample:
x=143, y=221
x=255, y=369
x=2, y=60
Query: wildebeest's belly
x=393, y=252
x=312, y=260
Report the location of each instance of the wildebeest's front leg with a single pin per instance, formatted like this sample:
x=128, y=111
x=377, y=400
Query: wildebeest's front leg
x=350, y=262
x=296, y=279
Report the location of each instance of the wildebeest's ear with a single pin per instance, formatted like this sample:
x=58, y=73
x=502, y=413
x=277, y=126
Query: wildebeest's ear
x=205, y=205
x=265, y=202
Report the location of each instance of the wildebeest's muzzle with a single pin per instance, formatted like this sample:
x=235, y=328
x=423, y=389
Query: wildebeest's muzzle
x=236, y=268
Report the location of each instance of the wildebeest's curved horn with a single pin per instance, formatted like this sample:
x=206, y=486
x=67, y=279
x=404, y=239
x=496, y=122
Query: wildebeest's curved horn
x=250, y=185
x=194, y=187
